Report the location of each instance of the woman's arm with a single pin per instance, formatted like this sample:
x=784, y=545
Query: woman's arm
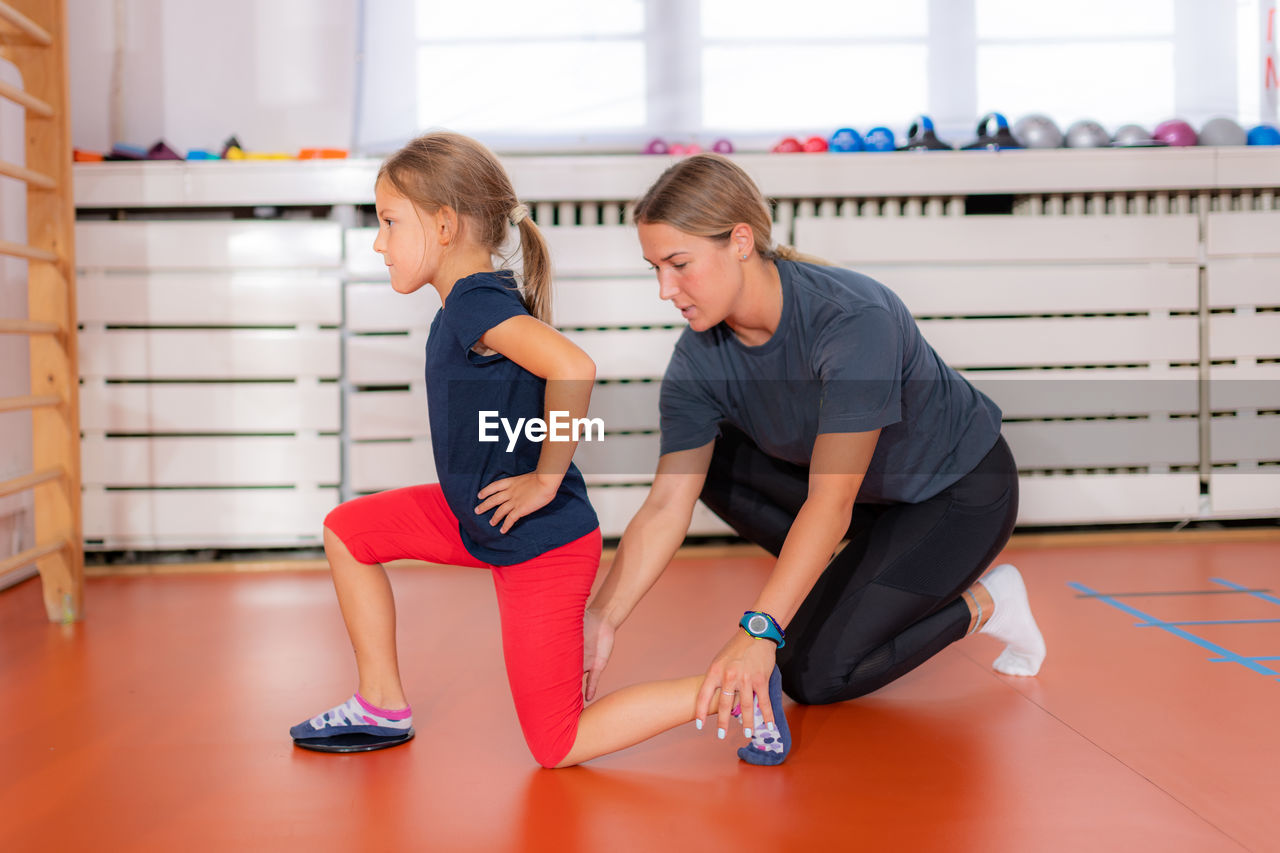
x=634, y=713
x=647, y=546
x=570, y=375
x=744, y=665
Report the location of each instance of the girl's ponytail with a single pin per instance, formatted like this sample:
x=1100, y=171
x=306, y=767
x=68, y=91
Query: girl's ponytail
x=536, y=261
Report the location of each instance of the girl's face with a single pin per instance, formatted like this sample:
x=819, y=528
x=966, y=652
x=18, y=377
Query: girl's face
x=700, y=276
x=408, y=240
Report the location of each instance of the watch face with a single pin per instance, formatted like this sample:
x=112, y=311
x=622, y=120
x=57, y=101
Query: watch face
x=758, y=624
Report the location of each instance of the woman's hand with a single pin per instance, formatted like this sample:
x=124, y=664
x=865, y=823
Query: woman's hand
x=597, y=645
x=737, y=676
x=516, y=497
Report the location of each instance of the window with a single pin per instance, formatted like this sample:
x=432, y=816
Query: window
x=1255, y=44
x=819, y=65
x=1097, y=59
x=607, y=75
x=549, y=67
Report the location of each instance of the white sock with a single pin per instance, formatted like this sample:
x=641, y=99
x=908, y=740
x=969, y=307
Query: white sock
x=1013, y=623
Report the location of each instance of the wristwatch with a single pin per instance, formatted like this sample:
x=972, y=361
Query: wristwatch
x=763, y=626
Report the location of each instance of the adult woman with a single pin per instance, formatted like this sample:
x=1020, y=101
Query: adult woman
x=797, y=388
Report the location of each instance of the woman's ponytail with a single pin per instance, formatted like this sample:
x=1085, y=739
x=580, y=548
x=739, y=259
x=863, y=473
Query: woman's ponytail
x=783, y=252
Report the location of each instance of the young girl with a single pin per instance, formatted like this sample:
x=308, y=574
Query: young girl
x=444, y=204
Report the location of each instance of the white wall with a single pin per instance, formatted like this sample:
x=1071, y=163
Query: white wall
x=279, y=74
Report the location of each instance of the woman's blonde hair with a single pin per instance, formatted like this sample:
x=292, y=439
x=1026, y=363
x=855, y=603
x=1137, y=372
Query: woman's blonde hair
x=706, y=195
x=451, y=170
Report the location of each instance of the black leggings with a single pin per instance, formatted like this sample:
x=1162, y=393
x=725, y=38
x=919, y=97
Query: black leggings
x=891, y=599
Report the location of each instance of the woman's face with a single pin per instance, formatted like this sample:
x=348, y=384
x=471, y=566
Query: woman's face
x=700, y=276
x=405, y=240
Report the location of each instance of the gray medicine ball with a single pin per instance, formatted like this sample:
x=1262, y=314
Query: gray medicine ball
x=1223, y=131
x=1037, y=131
x=1087, y=133
x=1133, y=136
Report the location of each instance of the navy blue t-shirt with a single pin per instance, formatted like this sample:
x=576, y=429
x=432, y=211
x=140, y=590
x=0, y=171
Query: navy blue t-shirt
x=847, y=356
x=461, y=384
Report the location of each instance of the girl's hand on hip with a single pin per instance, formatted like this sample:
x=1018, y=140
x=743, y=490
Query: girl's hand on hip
x=737, y=677
x=516, y=497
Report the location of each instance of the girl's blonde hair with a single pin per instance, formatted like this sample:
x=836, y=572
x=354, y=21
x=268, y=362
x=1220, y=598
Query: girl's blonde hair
x=451, y=170
x=706, y=195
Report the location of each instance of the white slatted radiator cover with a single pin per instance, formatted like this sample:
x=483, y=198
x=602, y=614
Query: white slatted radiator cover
x=1243, y=284
x=247, y=370
x=1081, y=325
x=210, y=400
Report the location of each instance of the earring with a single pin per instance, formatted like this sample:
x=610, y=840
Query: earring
x=744, y=257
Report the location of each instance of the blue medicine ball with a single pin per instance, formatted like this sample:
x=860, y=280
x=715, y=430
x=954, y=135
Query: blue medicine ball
x=845, y=139
x=878, y=139
x=1264, y=134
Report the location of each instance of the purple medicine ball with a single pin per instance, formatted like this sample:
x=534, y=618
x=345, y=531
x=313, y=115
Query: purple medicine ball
x=1175, y=131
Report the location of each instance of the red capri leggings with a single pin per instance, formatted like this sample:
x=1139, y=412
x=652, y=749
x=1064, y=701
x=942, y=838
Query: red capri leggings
x=541, y=602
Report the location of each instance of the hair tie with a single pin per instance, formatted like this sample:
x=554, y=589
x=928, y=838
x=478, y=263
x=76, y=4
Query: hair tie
x=518, y=214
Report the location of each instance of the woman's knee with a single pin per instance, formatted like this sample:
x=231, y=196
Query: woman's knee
x=807, y=687
x=819, y=686
x=823, y=692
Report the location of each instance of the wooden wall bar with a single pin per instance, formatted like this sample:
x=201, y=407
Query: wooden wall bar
x=33, y=37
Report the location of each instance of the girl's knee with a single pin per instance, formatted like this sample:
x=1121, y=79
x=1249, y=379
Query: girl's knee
x=549, y=759
x=335, y=545
x=357, y=517
x=336, y=518
x=332, y=541
x=550, y=737
x=549, y=751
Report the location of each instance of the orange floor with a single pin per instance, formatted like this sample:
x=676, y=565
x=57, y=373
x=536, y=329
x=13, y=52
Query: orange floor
x=159, y=723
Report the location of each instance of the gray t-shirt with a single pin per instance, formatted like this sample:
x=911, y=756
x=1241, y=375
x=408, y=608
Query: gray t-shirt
x=847, y=356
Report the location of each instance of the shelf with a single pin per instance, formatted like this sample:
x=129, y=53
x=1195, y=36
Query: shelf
x=624, y=177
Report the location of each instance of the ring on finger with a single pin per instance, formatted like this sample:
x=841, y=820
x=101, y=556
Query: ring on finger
x=727, y=692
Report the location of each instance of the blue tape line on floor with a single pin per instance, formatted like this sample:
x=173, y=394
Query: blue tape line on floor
x=1264, y=596
x=1249, y=657
x=1213, y=622
x=1224, y=654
